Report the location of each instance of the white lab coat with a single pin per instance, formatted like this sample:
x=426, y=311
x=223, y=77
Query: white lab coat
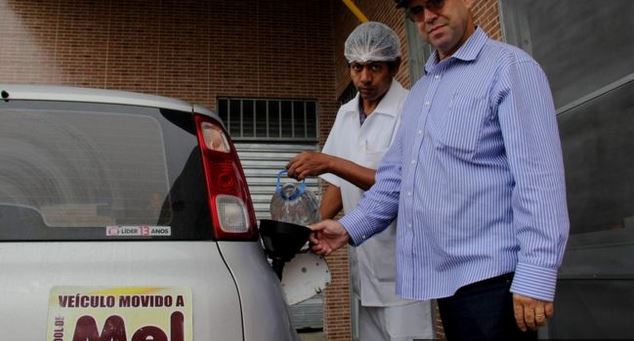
x=372, y=265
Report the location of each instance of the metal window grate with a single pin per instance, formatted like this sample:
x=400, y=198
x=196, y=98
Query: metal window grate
x=269, y=119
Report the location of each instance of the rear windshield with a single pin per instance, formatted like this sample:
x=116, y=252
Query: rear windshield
x=85, y=171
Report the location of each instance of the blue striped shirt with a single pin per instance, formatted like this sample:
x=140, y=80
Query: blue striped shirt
x=475, y=175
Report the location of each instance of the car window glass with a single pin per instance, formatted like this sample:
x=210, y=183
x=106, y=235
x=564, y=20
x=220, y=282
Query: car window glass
x=77, y=172
x=69, y=171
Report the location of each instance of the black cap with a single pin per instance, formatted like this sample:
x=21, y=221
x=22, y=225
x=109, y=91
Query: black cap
x=401, y=3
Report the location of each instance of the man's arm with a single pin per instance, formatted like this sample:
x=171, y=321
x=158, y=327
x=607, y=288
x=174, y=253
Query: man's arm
x=331, y=202
x=528, y=123
x=316, y=163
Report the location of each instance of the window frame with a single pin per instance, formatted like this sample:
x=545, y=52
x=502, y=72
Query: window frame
x=281, y=119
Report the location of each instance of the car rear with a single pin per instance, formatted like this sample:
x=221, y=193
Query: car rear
x=127, y=216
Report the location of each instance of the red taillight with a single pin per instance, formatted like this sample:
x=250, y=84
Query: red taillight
x=233, y=217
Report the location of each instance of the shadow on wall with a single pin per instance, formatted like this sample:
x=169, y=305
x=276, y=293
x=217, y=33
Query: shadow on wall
x=194, y=50
x=23, y=59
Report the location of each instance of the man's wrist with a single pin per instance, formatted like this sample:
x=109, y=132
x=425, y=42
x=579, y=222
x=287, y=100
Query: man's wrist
x=535, y=281
x=330, y=164
x=351, y=223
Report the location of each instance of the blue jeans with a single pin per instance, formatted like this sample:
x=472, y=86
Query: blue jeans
x=482, y=311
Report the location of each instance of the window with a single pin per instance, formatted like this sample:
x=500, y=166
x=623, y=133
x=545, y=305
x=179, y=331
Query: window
x=269, y=119
x=582, y=46
x=586, y=51
x=418, y=51
x=69, y=170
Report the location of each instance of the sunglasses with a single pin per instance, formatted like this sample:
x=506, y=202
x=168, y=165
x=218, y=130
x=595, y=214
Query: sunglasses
x=417, y=13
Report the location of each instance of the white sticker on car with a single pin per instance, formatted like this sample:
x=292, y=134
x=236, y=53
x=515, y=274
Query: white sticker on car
x=138, y=231
x=120, y=313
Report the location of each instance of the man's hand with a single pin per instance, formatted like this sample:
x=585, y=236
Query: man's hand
x=328, y=236
x=308, y=164
x=531, y=313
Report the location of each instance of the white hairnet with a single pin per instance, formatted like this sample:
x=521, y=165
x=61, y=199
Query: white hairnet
x=372, y=41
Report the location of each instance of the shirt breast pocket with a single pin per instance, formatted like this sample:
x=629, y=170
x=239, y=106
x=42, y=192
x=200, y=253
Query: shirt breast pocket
x=462, y=123
x=372, y=158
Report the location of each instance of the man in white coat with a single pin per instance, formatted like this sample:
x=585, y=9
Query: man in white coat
x=363, y=131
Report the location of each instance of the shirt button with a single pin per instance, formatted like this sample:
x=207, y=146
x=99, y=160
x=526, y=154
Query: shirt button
x=409, y=225
x=413, y=162
x=420, y=132
x=364, y=236
x=437, y=76
x=427, y=103
x=409, y=194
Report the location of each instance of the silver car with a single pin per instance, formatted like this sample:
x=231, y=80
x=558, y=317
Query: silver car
x=127, y=217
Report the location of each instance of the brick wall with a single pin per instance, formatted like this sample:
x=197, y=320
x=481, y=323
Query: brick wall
x=195, y=50
x=487, y=16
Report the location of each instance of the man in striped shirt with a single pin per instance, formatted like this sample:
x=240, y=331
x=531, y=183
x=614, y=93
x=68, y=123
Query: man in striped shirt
x=475, y=175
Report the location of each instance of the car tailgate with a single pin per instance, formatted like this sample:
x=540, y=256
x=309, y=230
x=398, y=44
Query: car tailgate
x=30, y=270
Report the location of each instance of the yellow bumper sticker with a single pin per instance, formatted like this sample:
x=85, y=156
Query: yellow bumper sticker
x=120, y=314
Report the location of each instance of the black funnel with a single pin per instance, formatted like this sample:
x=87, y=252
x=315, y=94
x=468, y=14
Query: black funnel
x=282, y=241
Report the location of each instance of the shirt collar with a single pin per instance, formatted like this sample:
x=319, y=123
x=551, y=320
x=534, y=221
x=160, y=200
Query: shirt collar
x=389, y=104
x=467, y=52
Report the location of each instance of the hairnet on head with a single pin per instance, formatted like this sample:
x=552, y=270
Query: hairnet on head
x=372, y=41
